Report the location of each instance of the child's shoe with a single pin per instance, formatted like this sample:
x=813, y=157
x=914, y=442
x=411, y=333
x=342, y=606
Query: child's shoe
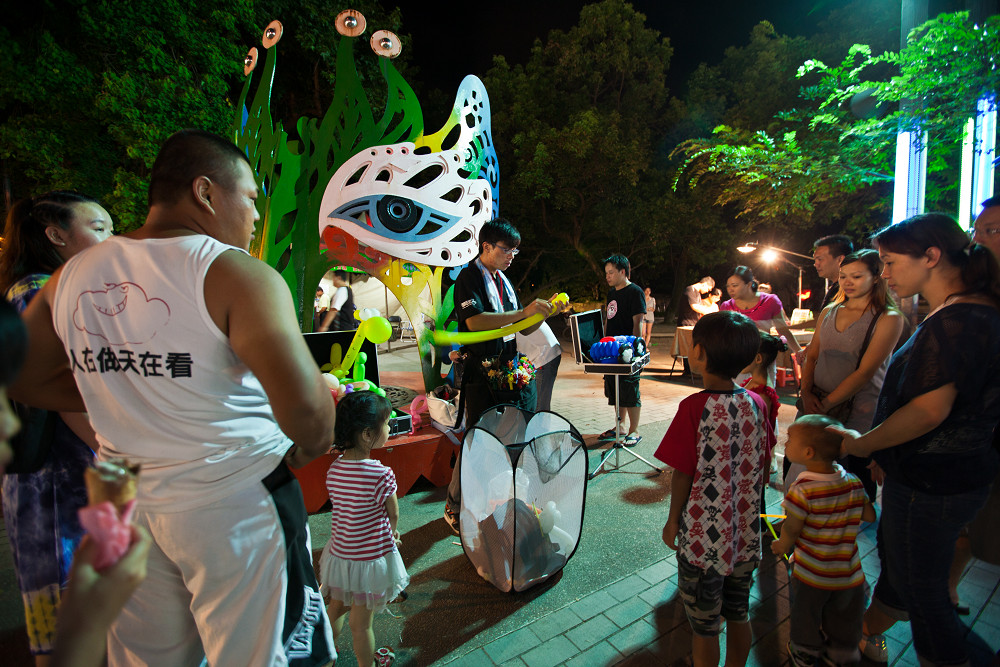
x=801, y=658
x=873, y=647
x=384, y=657
x=451, y=518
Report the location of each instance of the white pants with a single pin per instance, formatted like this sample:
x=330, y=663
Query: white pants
x=217, y=587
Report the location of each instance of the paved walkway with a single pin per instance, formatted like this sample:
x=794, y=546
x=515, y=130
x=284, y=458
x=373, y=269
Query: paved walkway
x=615, y=602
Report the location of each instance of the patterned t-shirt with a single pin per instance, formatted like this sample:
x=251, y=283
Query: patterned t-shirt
x=360, y=525
x=826, y=553
x=722, y=439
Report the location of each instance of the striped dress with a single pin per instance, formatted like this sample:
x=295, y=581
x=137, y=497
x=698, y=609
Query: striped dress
x=358, y=491
x=826, y=555
x=361, y=564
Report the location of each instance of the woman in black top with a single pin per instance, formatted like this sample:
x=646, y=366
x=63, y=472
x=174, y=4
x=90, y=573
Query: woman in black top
x=933, y=429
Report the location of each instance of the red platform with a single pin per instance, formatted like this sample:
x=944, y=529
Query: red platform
x=426, y=453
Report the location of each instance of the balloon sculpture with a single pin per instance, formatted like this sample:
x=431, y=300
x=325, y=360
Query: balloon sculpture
x=618, y=349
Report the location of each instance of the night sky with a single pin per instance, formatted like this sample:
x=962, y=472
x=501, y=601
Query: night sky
x=456, y=39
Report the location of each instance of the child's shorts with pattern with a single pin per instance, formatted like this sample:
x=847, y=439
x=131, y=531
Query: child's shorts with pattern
x=709, y=597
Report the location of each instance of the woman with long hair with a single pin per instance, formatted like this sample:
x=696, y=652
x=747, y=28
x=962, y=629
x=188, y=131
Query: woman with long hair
x=933, y=430
x=41, y=500
x=764, y=309
x=849, y=353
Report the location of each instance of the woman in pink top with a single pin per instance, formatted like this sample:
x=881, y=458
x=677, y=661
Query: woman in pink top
x=764, y=309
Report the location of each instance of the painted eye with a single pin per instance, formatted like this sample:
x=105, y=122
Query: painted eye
x=398, y=214
x=386, y=43
x=350, y=23
x=272, y=33
x=250, y=61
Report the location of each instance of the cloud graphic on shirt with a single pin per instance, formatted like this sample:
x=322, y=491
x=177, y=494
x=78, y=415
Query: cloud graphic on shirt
x=121, y=314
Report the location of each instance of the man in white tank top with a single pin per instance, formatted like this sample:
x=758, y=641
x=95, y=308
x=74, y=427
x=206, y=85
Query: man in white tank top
x=186, y=353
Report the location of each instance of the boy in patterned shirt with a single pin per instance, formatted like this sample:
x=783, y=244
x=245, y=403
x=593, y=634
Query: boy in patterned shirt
x=719, y=447
x=825, y=507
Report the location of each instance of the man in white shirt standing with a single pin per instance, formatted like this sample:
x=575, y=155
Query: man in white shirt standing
x=209, y=386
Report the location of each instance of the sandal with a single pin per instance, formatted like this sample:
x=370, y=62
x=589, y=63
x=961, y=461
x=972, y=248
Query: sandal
x=607, y=436
x=384, y=657
x=631, y=440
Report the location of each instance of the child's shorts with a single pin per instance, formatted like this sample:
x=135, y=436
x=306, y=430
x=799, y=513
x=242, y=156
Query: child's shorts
x=709, y=597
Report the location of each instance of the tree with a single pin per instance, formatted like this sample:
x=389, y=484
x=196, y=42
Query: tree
x=89, y=90
x=574, y=131
x=821, y=152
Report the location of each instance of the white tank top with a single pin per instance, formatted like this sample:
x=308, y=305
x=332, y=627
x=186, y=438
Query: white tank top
x=161, y=383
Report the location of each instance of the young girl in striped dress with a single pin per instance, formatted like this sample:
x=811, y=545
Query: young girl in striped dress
x=360, y=569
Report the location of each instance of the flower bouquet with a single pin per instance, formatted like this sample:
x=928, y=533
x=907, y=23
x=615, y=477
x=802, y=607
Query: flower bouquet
x=508, y=375
x=510, y=380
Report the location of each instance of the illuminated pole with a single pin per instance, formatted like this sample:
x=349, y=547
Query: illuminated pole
x=911, y=148
x=979, y=140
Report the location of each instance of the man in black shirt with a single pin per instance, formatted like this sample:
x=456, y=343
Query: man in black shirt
x=625, y=310
x=485, y=300
x=828, y=253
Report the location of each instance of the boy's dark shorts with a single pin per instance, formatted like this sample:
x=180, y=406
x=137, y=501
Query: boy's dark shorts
x=709, y=597
x=628, y=390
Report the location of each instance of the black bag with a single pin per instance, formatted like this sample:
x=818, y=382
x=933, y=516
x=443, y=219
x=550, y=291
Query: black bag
x=33, y=442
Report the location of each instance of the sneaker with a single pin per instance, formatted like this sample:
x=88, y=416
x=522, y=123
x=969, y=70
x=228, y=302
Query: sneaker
x=384, y=657
x=800, y=658
x=451, y=519
x=873, y=647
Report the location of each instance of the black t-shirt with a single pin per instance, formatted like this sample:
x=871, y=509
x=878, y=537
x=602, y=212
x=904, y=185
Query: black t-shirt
x=959, y=344
x=471, y=299
x=623, y=305
x=344, y=321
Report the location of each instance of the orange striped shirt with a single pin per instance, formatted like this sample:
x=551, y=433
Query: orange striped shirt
x=830, y=506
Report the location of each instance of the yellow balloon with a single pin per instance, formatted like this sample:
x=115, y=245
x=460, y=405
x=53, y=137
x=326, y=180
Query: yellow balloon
x=469, y=337
x=376, y=329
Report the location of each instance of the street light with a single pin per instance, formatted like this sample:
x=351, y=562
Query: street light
x=770, y=254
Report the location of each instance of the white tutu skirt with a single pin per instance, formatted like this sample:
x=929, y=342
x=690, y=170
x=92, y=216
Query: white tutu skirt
x=373, y=583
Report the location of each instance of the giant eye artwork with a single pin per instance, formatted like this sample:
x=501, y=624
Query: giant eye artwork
x=367, y=187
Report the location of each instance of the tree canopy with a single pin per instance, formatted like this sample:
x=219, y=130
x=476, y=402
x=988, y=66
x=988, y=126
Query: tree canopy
x=89, y=90
x=840, y=137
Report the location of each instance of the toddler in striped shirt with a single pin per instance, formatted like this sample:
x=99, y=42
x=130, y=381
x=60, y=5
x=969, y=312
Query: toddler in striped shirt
x=825, y=507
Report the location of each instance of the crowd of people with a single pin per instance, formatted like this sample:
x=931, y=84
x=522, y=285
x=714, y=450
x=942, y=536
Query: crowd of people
x=146, y=346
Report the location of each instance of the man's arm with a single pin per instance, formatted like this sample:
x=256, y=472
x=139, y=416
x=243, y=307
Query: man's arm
x=46, y=380
x=262, y=329
x=328, y=318
x=637, y=325
x=488, y=321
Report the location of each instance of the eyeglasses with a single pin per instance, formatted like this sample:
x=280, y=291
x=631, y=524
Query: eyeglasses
x=510, y=252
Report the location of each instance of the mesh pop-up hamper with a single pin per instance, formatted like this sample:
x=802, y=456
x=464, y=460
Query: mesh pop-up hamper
x=524, y=483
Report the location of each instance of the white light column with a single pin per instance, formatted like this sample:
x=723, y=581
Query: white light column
x=984, y=152
x=911, y=176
